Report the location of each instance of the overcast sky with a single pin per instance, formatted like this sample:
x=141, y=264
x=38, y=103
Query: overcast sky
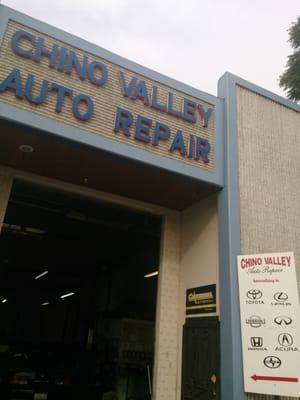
x=193, y=41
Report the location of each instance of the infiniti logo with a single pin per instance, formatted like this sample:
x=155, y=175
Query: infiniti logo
x=254, y=294
x=283, y=320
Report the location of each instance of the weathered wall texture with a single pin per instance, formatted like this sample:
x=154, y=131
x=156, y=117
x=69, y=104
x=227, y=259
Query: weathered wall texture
x=166, y=342
x=269, y=178
x=5, y=188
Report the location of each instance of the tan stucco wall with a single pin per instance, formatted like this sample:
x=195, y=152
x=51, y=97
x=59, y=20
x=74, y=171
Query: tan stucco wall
x=269, y=178
x=199, y=264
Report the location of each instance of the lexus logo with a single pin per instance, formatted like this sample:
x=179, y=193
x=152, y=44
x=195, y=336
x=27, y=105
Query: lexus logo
x=280, y=296
x=254, y=294
x=272, y=362
x=283, y=320
x=256, y=341
x=285, y=339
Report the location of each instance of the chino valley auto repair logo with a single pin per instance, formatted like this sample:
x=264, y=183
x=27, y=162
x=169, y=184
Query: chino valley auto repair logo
x=255, y=321
x=129, y=124
x=270, y=324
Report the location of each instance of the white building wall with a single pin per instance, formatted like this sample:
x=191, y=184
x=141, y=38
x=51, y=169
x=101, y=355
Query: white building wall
x=269, y=178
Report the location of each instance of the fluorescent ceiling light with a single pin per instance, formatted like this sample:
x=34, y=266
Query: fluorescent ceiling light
x=35, y=231
x=4, y=301
x=27, y=231
x=42, y=274
x=26, y=148
x=151, y=274
x=67, y=295
x=45, y=304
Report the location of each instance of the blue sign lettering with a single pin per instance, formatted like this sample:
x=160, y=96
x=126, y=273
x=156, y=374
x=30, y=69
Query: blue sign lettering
x=59, y=57
x=161, y=132
x=123, y=121
x=29, y=91
x=79, y=100
x=137, y=89
x=141, y=128
x=149, y=131
x=14, y=83
x=178, y=144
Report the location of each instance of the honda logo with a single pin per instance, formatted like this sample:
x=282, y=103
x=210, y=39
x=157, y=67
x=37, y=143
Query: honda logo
x=256, y=341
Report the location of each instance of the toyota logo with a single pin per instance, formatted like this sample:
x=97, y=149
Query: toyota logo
x=283, y=320
x=280, y=296
x=272, y=362
x=254, y=294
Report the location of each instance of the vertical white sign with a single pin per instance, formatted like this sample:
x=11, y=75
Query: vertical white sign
x=270, y=323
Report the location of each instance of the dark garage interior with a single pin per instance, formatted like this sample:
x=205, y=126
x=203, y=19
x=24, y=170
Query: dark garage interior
x=77, y=312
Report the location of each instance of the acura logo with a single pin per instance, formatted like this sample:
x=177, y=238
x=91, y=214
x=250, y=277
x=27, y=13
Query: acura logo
x=285, y=339
x=283, y=320
x=272, y=362
x=280, y=296
x=254, y=294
